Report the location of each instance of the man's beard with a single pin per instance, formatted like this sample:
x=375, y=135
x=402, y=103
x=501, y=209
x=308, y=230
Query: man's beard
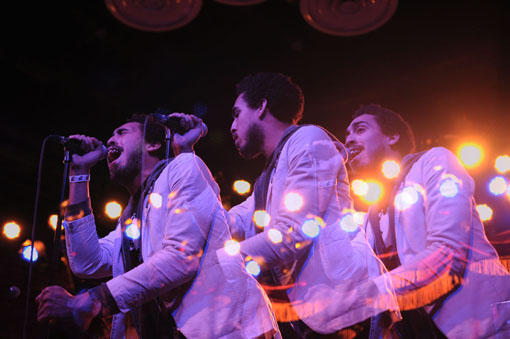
x=125, y=175
x=254, y=142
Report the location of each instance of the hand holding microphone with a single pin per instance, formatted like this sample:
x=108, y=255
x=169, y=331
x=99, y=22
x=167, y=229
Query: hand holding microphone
x=187, y=130
x=180, y=123
x=86, y=151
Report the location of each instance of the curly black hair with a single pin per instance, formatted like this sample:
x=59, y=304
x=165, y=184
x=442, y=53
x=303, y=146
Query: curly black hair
x=154, y=133
x=284, y=98
x=390, y=123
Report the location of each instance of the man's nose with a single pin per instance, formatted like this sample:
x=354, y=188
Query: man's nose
x=349, y=141
x=110, y=141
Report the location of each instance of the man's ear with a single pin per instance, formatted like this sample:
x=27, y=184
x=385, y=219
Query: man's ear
x=393, y=139
x=261, y=110
x=152, y=147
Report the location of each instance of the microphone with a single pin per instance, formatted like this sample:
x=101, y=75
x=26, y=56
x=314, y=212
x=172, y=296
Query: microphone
x=12, y=293
x=74, y=145
x=174, y=123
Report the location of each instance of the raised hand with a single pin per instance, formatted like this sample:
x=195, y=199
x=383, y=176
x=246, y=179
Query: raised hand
x=196, y=129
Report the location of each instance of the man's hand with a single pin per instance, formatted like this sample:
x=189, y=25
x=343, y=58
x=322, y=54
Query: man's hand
x=55, y=302
x=196, y=130
x=93, y=148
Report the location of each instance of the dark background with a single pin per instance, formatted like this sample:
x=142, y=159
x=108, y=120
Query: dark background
x=71, y=67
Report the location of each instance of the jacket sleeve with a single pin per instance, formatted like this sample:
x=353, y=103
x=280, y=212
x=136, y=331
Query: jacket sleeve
x=448, y=204
x=89, y=256
x=241, y=226
x=310, y=166
x=188, y=215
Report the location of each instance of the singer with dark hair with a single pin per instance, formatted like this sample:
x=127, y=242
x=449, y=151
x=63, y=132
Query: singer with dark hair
x=447, y=276
x=167, y=282
x=297, y=227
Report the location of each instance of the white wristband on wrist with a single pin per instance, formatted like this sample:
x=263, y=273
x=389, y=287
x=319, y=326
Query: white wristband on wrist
x=79, y=178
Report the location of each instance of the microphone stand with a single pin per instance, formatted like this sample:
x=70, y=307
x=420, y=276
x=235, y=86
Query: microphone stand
x=168, y=141
x=58, y=231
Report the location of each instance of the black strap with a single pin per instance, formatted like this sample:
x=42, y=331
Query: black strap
x=261, y=186
x=415, y=323
x=388, y=253
x=151, y=318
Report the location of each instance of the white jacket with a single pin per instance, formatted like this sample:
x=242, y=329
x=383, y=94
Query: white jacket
x=183, y=228
x=330, y=274
x=448, y=265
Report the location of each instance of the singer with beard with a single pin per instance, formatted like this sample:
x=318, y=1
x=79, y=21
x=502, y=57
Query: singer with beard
x=167, y=282
x=447, y=276
x=317, y=274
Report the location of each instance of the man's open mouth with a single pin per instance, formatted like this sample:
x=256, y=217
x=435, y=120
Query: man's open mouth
x=354, y=151
x=113, y=154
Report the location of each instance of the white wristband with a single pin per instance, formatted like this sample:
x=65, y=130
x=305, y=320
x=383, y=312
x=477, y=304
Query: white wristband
x=79, y=178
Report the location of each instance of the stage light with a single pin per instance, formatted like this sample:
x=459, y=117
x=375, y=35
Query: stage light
x=470, y=154
x=406, y=198
x=132, y=231
x=359, y=217
x=52, y=221
x=275, y=236
x=232, y=247
x=498, y=185
x=154, y=16
x=155, y=200
x=113, y=210
x=293, y=201
x=11, y=230
x=484, y=211
x=242, y=187
x=349, y=223
x=374, y=192
x=27, y=253
x=390, y=169
x=26, y=249
x=253, y=268
x=311, y=227
x=502, y=164
x=359, y=187
x=261, y=218
x=448, y=188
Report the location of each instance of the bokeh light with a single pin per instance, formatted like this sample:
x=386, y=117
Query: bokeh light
x=311, y=227
x=253, y=268
x=359, y=217
x=11, y=230
x=502, y=164
x=349, y=223
x=232, y=247
x=485, y=212
x=498, y=185
x=113, y=210
x=26, y=253
x=449, y=188
x=293, y=201
x=242, y=187
x=374, y=192
x=155, y=200
x=406, y=198
x=390, y=169
x=275, y=236
x=261, y=218
x=470, y=154
x=132, y=231
x=52, y=221
x=359, y=187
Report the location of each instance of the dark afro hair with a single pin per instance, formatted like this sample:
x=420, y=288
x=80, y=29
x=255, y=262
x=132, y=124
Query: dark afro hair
x=284, y=98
